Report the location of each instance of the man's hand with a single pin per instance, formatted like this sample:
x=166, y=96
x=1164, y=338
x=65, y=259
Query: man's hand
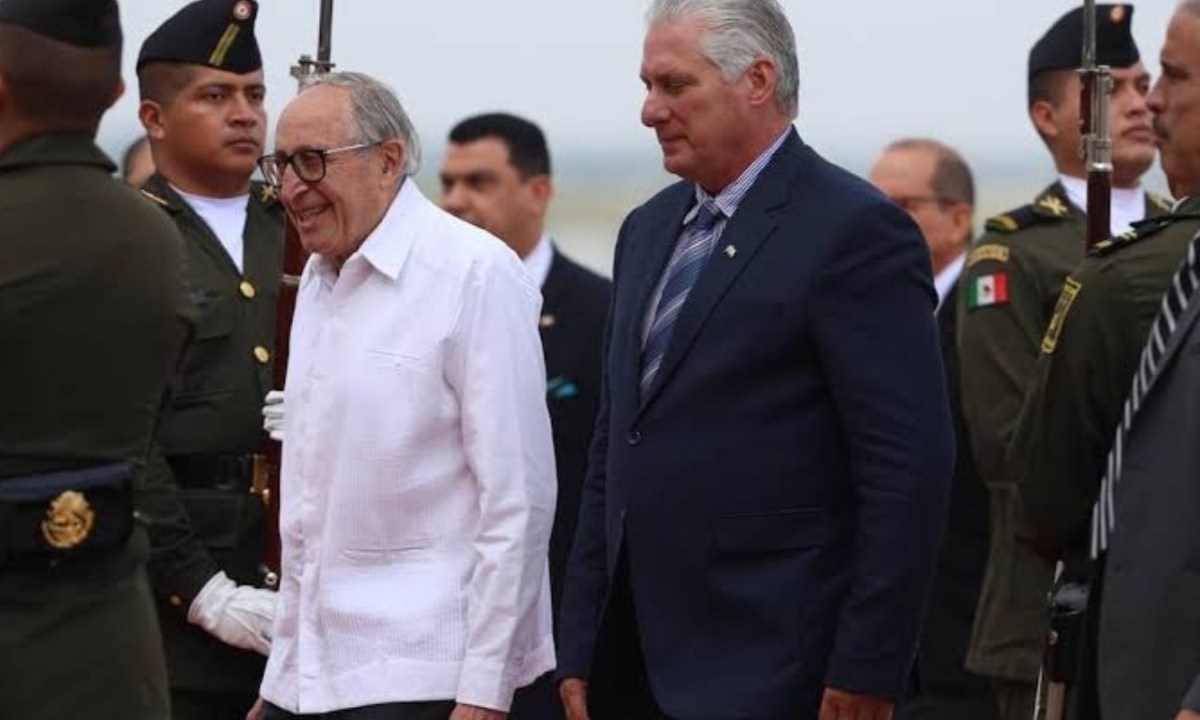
x=838, y=705
x=237, y=615
x=273, y=415
x=1187, y=715
x=573, y=692
x=471, y=712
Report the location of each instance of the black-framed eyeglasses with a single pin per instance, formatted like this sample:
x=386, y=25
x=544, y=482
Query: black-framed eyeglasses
x=310, y=164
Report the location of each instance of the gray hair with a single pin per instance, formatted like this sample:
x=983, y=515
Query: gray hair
x=376, y=112
x=1192, y=6
x=739, y=32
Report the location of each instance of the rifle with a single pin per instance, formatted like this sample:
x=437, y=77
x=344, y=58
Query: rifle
x=268, y=462
x=1068, y=599
x=1096, y=141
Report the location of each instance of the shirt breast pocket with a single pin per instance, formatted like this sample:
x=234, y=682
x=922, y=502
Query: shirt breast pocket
x=206, y=365
x=399, y=360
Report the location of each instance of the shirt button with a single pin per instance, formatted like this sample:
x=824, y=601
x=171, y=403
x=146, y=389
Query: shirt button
x=262, y=355
x=247, y=290
x=634, y=437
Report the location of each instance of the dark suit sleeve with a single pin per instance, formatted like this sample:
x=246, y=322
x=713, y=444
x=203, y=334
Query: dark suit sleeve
x=879, y=346
x=586, y=581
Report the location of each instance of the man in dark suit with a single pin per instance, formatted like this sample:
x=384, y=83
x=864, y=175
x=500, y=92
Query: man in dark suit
x=496, y=175
x=768, y=481
x=934, y=184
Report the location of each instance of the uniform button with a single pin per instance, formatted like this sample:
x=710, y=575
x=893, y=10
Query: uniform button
x=634, y=437
x=262, y=355
x=175, y=601
x=248, y=290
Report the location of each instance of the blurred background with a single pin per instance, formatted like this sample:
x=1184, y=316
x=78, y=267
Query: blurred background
x=871, y=71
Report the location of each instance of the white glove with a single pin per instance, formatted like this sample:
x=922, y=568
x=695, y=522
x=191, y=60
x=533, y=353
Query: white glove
x=237, y=615
x=273, y=415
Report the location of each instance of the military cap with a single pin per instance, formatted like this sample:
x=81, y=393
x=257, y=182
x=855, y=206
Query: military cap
x=84, y=23
x=1061, y=48
x=215, y=33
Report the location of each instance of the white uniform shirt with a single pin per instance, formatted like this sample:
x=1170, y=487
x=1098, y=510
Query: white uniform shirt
x=226, y=218
x=418, y=479
x=1128, y=204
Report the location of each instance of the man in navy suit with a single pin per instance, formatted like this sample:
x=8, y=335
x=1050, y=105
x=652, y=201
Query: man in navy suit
x=496, y=174
x=934, y=184
x=769, y=473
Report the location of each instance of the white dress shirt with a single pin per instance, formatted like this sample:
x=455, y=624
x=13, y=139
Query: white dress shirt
x=539, y=260
x=418, y=481
x=943, y=281
x=1128, y=204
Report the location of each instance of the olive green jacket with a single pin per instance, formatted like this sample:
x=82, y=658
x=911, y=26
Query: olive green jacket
x=1088, y=359
x=1010, y=287
x=216, y=410
x=92, y=309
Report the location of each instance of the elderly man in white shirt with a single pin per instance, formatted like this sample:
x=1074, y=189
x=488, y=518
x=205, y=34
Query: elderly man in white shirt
x=418, y=481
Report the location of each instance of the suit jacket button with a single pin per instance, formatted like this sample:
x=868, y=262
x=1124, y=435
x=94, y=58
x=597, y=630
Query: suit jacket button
x=634, y=437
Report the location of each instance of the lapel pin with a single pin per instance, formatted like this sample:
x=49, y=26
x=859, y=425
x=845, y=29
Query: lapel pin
x=731, y=251
x=547, y=321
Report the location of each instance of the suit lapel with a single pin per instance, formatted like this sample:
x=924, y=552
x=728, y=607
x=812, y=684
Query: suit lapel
x=554, y=292
x=744, y=234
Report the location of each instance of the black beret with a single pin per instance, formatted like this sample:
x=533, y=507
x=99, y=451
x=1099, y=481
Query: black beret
x=1061, y=48
x=215, y=33
x=84, y=23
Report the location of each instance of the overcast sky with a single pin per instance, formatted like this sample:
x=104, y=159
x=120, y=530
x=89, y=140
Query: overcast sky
x=871, y=70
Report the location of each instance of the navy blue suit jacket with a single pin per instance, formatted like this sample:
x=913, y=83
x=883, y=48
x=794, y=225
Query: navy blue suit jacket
x=780, y=492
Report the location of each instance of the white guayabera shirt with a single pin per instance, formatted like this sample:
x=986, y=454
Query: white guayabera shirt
x=418, y=480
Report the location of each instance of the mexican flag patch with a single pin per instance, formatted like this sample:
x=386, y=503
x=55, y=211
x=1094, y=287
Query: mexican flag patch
x=987, y=290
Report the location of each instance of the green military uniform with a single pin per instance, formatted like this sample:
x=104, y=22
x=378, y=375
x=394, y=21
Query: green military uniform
x=91, y=304
x=1088, y=358
x=213, y=427
x=1010, y=288
x=93, y=315
x=208, y=435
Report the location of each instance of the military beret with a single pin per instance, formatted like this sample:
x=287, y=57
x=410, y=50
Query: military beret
x=215, y=33
x=1061, y=48
x=84, y=23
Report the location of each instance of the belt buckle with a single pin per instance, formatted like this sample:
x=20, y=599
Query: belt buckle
x=69, y=520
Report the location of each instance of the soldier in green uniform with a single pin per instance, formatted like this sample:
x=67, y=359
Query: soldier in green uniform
x=1089, y=358
x=201, y=82
x=93, y=315
x=1010, y=287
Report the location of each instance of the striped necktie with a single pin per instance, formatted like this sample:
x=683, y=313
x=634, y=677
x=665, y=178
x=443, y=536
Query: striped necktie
x=1174, y=303
x=691, y=253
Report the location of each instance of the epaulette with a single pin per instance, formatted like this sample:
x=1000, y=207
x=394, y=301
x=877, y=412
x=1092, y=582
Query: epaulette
x=267, y=194
x=1142, y=229
x=154, y=198
x=1014, y=220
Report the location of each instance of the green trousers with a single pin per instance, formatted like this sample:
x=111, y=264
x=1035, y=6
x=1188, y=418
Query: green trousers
x=80, y=640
